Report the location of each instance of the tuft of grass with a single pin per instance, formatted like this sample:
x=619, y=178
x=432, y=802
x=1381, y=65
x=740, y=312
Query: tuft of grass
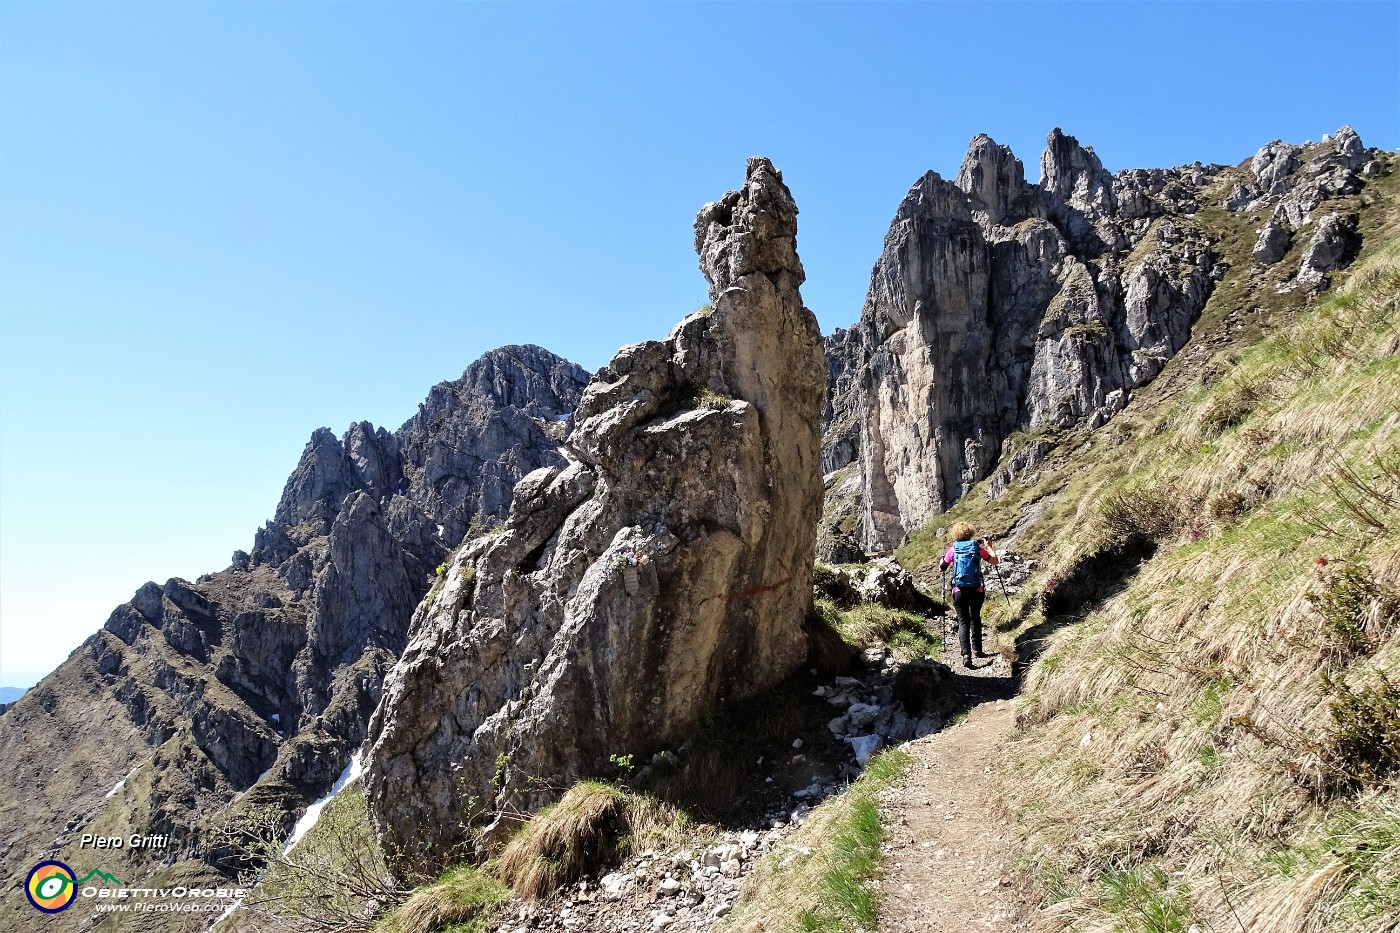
x=840, y=626
x=1146, y=900
x=821, y=878
x=1230, y=405
x=593, y=824
x=866, y=625
x=463, y=899
x=705, y=397
x=906, y=645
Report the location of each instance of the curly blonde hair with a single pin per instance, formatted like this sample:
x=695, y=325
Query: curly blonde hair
x=962, y=531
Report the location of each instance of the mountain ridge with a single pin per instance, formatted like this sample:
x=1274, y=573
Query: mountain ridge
x=246, y=691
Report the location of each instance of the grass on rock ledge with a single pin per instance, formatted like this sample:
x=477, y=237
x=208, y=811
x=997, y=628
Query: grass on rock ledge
x=593, y=825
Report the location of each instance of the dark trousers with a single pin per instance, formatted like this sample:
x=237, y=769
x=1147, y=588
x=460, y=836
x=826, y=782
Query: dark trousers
x=968, y=603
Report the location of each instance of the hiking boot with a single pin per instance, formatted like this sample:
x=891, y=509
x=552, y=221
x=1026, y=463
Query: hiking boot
x=967, y=661
x=979, y=654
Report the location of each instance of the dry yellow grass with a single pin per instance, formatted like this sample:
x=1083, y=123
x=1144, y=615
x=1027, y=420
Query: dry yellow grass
x=1182, y=759
x=591, y=825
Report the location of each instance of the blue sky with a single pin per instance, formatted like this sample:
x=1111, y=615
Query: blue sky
x=223, y=225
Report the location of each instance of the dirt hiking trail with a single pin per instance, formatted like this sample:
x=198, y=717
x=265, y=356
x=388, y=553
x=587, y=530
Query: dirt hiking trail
x=947, y=854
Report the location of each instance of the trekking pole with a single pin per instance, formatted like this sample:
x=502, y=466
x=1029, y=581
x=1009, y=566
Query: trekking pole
x=943, y=617
x=997, y=570
x=1002, y=581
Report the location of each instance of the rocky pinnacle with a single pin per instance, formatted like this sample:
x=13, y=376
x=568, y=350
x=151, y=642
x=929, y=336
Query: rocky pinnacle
x=664, y=570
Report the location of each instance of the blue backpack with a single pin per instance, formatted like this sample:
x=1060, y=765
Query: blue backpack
x=967, y=564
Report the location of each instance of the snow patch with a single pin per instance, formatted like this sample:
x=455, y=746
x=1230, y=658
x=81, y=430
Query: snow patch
x=308, y=819
x=313, y=812
x=118, y=786
x=237, y=903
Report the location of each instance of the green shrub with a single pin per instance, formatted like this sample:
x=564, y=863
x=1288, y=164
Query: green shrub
x=1362, y=749
x=1357, y=612
x=623, y=763
x=1144, y=514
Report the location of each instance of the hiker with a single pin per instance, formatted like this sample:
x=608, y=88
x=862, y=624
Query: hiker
x=965, y=556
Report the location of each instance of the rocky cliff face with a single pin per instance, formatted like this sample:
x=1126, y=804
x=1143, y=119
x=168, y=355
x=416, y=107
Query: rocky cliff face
x=663, y=569
x=999, y=306
x=251, y=687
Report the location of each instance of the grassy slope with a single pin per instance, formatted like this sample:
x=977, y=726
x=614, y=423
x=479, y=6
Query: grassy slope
x=1208, y=735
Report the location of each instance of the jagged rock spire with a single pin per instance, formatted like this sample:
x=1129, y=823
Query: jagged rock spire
x=664, y=570
x=992, y=177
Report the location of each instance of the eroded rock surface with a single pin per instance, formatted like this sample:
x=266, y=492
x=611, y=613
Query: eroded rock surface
x=664, y=569
x=1333, y=246
x=1295, y=180
x=1000, y=307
